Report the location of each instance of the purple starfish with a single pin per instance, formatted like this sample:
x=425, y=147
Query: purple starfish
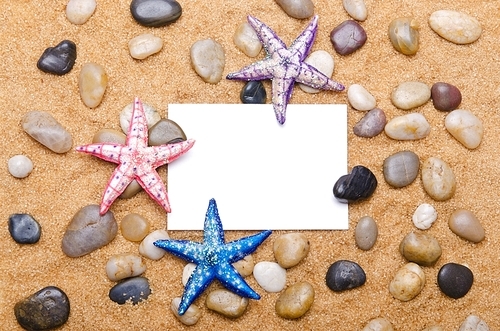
x=284, y=66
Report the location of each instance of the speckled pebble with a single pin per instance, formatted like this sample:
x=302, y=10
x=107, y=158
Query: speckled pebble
x=165, y=131
x=345, y=275
x=253, y=92
x=360, y=184
x=109, y=136
x=24, y=229
x=356, y=9
x=246, y=40
x=465, y=127
x=190, y=317
x=408, y=282
x=401, y=168
x=421, y=248
x=134, y=227
x=455, y=26
x=455, y=280
x=445, y=97
x=348, y=37
x=371, y=124
x=45, y=129
x=404, y=35
x=152, y=116
x=226, y=303
x=409, y=95
x=424, y=216
x=144, y=45
x=378, y=324
x=411, y=126
x=79, y=11
x=187, y=271
x=466, y=225
x=359, y=98
x=295, y=301
x=155, y=13
x=20, y=166
x=270, y=276
x=92, y=84
x=297, y=8
x=125, y=265
x=438, y=179
x=135, y=290
x=208, y=60
x=148, y=249
x=473, y=323
x=366, y=233
x=290, y=248
x=321, y=60
x=245, y=265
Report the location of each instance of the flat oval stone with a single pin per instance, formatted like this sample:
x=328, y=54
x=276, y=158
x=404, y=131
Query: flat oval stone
x=134, y=289
x=79, y=11
x=20, y=166
x=190, y=317
x=297, y=8
x=246, y=40
x=152, y=116
x=148, y=249
x=58, y=60
x=125, y=265
x=409, y=95
x=408, y=282
x=359, y=98
x=322, y=61
x=24, y=229
x=404, y=35
x=401, y=168
x=109, y=136
x=421, y=248
x=134, y=227
x=46, y=309
x=411, y=126
x=358, y=185
x=455, y=280
x=455, y=26
x=290, y=248
x=270, y=276
x=345, y=275
x=45, y=129
x=155, y=13
x=164, y=132
x=348, y=37
x=144, y=45
x=465, y=127
x=295, y=301
x=356, y=9
x=366, y=233
x=226, y=303
x=208, y=60
x=378, y=324
x=445, y=97
x=88, y=231
x=466, y=225
x=424, y=216
x=253, y=92
x=473, y=323
x=438, y=179
x=371, y=124
x=92, y=84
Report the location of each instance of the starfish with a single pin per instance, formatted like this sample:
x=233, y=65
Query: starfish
x=284, y=66
x=137, y=161
x=213, y=258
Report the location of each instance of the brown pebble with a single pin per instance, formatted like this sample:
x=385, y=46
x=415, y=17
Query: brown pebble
x=420, y=248
x=445, y=97
x=245, y=266
x=291, y=248
x=134, y=227
x=466, y=225
x=295, y=301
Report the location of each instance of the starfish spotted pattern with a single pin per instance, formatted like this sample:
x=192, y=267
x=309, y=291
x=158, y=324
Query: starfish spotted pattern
x=213, y=259
x=137, y=161
x=285, y=66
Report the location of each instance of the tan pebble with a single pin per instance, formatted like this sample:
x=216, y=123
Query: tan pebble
x=356, y=9
x=245, y=266
x=190, y=317
x=134, y=227
x=409, y=95
x=226, y=303
x=408, y=282
x=109, y=136
x=466, y=225
x=378, y=324
x=291, y=248
x=438, y=179
x=148, y=249
x=208, y=60
x=246, y=40
x=420, y=248
x=321, y=60
x=474, y=323
x=412, y=126
x=144, y=45
x=295, y=301
x=92, y=84
x=455, y=26
x=124, y=265
x=465, y=127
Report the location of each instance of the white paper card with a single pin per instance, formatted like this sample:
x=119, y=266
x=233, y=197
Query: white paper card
x=263, y=175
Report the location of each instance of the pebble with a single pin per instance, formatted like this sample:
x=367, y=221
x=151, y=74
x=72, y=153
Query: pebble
x=134, y=227
x=366, y=233
x=295, y=301
x=208, y=60
x=246, y=40
x=438, y=179
x=92, y=84
x=424, y=216
x=144, y=45
x=408, y=282
x=360, y=98
x=132, y=189
x=455, y=280
x=473, y=323
x=165, y=131
x=345, y=275
x=134, y=289
x=109, y=136
x=421, y=248
x=24, y=229
x=401, y=168
x=45, y=129
x=125, y=265
x=348, y=37
x=297, y=8
x=411, y=126
x=187, y=272
x=465, y=224
x=79, y=11
x=270, y=276
x=88, y=231
x=371, y=124
x=290, y=248
x=152, y=116
x=155, y=13
x=190, y=317
x=358, y=185
x=321, y=60
x=245, y=266
x=226, y=303
x=58, y=60
x=404, y=35
x=378, y=324
x=409, y=95
x=46, y=309
x=148, y=249
x=356, y=9
x=455, y=26
x=20, y=166
x=465, y=127
x=253, y=92
x=445, y=97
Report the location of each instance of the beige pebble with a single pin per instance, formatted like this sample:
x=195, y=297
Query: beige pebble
x=148, y=249
x=79, y=11
x=190, y=317
x=378, y=324
x=404, y=35
x=246, y=40
x=125, y=265
x=208, y=60
x=411, y=126
x=152, y=116
x=438, y=179
x=466, y=225
x=359, y=98
x=290, y=248
x=297, y=8
x=295, y=301
x=409, y=95
x=92, y=84
x=245, y=266
x=474, y=323
x=408, y=282
x=45, y=129
x=134, y=227
x=321, y=60
x=465, y=127
x=420, y=248
x=455, y=26
x=356, y=9
x=109, y=136
x=144, y=45
x=226, y=303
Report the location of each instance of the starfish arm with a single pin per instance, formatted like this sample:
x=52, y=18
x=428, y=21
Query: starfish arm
x=154, y=187
x=267, y=36
x=137, y=136
x=163, y=154
x=118, y=182
x=232, y=280
x=199, y=280
x=184, y=249
x=259, y=70
x=303, y=43
x=104, y=151
x=309, y=75
x=281, y=93
x=213, y=233
x=238, y=249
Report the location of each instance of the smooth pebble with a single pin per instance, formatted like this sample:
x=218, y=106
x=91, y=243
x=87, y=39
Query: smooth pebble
x=297, y=8
x=455, y=26
x=466, y=225
x=20, y=166
x=132, y=189
x=24, y=229
x=295, y=301
x=465, y=127
x=359, y=98
x=190, y=317
x=253, y=92
x=411, y=126
x=155, y=13
x=371, y=124
x=345, y=275
x=438, y=179
x=401, y=168
x=424, y=216
x=245, y=266
x=92, y=84
x=134, y=227
x=208, y=60
x=226, y=303
x=152, y=116
x=79, y=11
x=473, y=323
x=109, y=136
x=125, y=265
x=404, y=35
x=321, y=60
x=421, y=248
x=358, y=185
x=187, y=272
x=246, y=40
x=356, y=9
x=148, y=249
x=58, y=60
x=409, y=95
x=408, y=282
x=366, y=233
x=165, y=131
x=270, y=276
x=455, y=280
x=144, y=45
x=290, y=248
x=45, y=129
x=378, y=324
x=445, y=97
x=348, y=37
x=135, y=289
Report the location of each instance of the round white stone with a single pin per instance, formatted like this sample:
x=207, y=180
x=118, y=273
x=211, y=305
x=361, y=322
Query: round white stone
x=148, y=249
x=270, y=276
x=20, y=166
x=246, y=40
x=424, y=216
x=144, y=45
x=360, y=98
x=356, y=9
x=455, y=26
x=152, y=116
x=79, y=11
x=321, y=60
x=465, y=127
x=411, y=126
x=187, y=272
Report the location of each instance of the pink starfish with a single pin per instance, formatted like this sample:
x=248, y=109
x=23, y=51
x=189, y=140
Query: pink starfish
x=137, y=161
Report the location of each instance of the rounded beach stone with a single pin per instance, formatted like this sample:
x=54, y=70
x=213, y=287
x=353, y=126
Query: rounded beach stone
x=125, y=265
x=473, y=323
x=295, y=301
x=208, y=60
x=92, y=84
x=348, y=37
x=411, y=126
x=88, y=231
x=165, y=131
x=45, y=129
x=58, y=60
x=148, y=249
x=134, y=227
x=438, y=179
x=190, y=317
x=401, y=168
x=366, y=233
x=290, y=248
x=356, y=9
x=358, y=185
x=424, y=216
x=155, y=13
x=245, y=265
x=270, y=276
x=408, y=282
x=455, y=26
x=409, y=95
x=187, y=272
x=44, y=310
x=144, y=45
x=79, y=11
x=322, y=61
x=152, y=116
x=297, y=8
x=253, y=92
x=132, y=189
x=246, y=40
x=378, y=324
x=359, y=98
x=455, y=280
x=109, y=136
x=20, y=166
x=445, y=97
x=133, y=289
x=226, y=303
x=421, y=248
x=465, y=224
x=404, y=35
x=345, y=275
x=371, y=124
x=465, y=127
x=24, y=229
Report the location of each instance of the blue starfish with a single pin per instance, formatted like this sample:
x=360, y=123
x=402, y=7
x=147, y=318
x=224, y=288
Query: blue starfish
x=213, y=258
x=284, y=66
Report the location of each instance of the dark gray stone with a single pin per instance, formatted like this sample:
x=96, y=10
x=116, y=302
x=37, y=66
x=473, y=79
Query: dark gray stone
x=455, y=280
x=345, y=275
x=58, y=60
x=253, y=92
x=358, y=185
x=155, y=13
x=445, y=97
x=348, y=37
x=134, y=289
x=24, y=229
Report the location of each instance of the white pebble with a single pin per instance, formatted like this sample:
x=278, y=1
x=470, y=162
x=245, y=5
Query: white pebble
x=148, y=249
x=270, y=276
x=20, y=166
x=455, y=26
x=144, y=45
x=408, y=127
x=124, y=265
x=356, y=9
x=208, y=60
x=424, y=216
x=79, y=11
x=465, y=127
x=152, y=116
x=190, y=317
x=410, y=95
x=321, y=60
x=360, y=98
x=474, y=323
x=246, y=40
x=187, y=272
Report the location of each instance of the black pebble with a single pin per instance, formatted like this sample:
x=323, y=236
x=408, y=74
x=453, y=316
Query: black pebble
x=345, y=275
x=455, y=280
x=155, y=13
x=135, y=289
x=24, y=229
x=58, y=60
x=358, y=185
x=253, y=92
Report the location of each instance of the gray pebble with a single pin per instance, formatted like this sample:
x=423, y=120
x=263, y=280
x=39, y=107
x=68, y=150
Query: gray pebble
x=401, y=168
x=24, y=229
x=208, y=60
x=371, y=124
x=134, y=289
x=297, y=8
x=465, y=224
x=165, y=131
x=155, y=13
x=366, y=233
x=45, y=129
x=420, y=248
x=226, y=303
